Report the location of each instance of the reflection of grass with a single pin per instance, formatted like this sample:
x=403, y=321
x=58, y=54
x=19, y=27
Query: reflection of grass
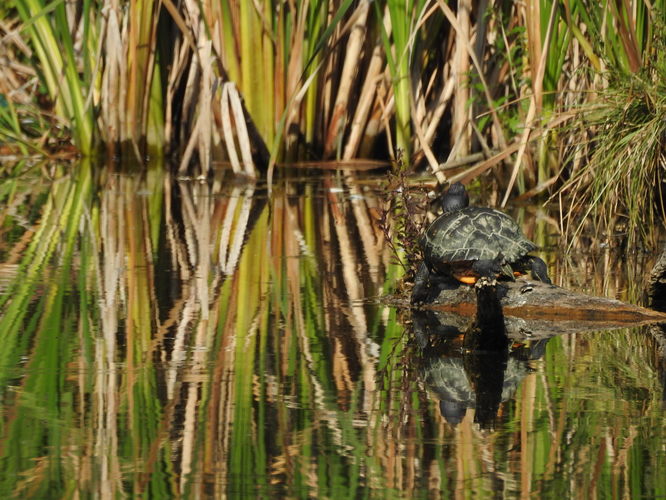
x=597, y=418
x=37, y=324
x=145, y=359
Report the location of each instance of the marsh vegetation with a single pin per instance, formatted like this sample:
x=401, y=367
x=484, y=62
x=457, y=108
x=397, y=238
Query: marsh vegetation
x=204, y=205
x=538, y=97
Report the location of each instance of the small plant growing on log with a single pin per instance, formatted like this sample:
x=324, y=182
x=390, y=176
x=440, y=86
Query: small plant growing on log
x=403, y=218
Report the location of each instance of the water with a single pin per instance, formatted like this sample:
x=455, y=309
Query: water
x=178, y=339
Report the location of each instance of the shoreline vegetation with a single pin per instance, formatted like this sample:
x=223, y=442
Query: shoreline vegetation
x=172, y=328
x=542, y=98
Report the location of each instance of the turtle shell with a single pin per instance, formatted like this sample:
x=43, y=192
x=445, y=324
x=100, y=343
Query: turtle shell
x=470, y=234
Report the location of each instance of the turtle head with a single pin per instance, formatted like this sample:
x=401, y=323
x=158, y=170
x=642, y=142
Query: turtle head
x=455, y=198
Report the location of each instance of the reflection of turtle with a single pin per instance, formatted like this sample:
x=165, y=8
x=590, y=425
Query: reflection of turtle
x=482, y=375
x=469, y=242
x=473, y=380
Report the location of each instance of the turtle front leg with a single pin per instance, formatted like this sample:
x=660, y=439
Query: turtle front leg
x=492, y=268
x=539, y=270
x=421, y=289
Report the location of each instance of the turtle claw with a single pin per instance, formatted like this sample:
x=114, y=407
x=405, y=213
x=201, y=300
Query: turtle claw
x=485, y=281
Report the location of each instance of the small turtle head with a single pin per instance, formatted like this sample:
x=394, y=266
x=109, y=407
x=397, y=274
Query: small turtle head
x=540, y=270
x=455, y=198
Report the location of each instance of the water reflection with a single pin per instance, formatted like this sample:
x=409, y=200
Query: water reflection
x=163, y=338
x=470, y=373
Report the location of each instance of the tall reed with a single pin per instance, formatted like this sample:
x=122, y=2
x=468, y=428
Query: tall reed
x=614, y=169
x=465, y=91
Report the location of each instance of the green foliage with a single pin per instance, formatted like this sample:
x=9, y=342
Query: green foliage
x=623, y=178
x=48, y=28
x=319, y=80
x=397, y=47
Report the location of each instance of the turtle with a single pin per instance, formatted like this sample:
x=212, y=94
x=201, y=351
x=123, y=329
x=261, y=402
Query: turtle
x=468, y=242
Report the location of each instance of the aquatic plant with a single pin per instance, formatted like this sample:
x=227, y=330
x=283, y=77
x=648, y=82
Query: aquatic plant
x=467, y=90
x=614, y=167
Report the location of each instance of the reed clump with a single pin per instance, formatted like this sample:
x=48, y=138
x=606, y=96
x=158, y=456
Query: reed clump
x=616, y=173
x=463, y=90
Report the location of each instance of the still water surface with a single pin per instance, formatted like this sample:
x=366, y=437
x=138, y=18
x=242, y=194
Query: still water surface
x=176, y=339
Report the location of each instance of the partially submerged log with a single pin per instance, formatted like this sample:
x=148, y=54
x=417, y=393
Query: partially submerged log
x=452, y=324
x=533, y=300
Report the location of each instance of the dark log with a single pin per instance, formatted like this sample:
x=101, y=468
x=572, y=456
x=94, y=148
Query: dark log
x=534, y=300
x=560, y=310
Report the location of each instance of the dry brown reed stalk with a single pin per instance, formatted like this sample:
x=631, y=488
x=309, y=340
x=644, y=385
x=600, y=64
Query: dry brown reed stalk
x=205, y=123
x=499, y=133
x=460, y=67
x=440, y=106
x=344, y=75
x=339, y=113
x=127, y=62
x=239, y=79
x=427, y=111
x=227, y=130
x=241, y=130
x=366, y=100
x=425, y=147
x=17, y=80
x=536, y=96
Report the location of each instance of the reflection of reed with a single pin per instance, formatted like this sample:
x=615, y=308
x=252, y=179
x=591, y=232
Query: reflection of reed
x=221, y=344
x=110, y=272
x=354, y=288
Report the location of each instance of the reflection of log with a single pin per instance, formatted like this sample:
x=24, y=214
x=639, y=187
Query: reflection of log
x=536, y=300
